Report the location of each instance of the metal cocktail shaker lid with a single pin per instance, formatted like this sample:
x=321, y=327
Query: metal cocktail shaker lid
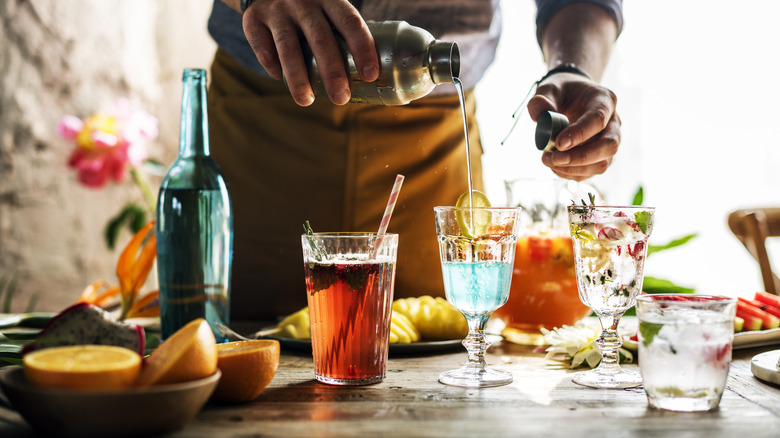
x=548, y=126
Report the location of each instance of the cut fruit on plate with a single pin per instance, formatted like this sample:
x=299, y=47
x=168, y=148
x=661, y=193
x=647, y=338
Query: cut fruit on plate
x=473, y=223
x=83, y=367
x=247, y=368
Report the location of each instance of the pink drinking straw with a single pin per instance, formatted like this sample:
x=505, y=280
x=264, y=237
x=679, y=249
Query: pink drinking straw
x=399, y=180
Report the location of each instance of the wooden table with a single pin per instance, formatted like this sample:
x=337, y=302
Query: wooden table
x=411, y=402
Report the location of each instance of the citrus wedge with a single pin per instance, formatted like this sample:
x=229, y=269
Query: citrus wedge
x=473, y=223
x=247, y=368
x=83, y=367
x=188, y=354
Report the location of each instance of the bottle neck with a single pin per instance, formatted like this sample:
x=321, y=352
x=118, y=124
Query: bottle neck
x=194, y=135
x=444, y=61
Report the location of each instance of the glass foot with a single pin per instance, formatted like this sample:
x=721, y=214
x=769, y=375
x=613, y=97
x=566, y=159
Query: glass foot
x=609, y=380
x=470, y=377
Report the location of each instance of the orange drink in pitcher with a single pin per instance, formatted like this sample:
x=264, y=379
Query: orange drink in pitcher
x=544, y=288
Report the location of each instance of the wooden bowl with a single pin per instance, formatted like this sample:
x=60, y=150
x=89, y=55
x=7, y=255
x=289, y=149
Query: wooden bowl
x=120, y=413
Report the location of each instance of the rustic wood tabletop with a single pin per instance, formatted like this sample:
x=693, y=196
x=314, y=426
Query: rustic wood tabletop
x=411, y=402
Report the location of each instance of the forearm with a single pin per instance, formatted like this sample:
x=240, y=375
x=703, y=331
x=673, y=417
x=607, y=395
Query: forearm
x=580, y=33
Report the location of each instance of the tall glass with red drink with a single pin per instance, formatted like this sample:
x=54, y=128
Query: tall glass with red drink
x=349, y=286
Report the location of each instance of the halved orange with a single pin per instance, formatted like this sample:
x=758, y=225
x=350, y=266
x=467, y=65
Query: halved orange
x=83, y=367
x=188, y=354
x=247, y=369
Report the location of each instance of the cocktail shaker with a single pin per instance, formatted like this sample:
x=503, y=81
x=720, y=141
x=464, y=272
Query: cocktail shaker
x=411, y=63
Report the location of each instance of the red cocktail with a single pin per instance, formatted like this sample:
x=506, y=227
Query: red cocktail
x=350, y=298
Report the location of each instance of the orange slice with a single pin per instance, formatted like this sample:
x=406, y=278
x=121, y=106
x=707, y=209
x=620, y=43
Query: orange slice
x=247, y=368
x=189, y=354
x=83, y=367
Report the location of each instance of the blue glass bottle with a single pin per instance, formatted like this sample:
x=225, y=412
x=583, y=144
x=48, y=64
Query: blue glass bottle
x=194, y=224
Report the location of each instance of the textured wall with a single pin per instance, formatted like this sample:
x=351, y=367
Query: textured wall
x=77, y=57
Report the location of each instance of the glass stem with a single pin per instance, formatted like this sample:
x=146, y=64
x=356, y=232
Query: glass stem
x=476, y=344
x=609, y=342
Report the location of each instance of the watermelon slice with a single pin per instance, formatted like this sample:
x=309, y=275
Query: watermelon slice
x=765, y=307
x=751, y=322
x=739, y=324
x=768, y=299
x=768, y=321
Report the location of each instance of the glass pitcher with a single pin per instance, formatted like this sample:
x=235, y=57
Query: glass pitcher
x=544, y=288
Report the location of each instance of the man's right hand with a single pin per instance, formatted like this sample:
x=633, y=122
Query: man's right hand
x=274, y=29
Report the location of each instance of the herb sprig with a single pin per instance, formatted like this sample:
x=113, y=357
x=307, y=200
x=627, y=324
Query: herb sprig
x=589, y=204
x=319, y=253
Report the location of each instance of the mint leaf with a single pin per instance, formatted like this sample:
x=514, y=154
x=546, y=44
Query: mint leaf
x=639, y=196
x=319, y=253
x=648, y=330
x=321, y=276
x=357, y=275
x=642, y=219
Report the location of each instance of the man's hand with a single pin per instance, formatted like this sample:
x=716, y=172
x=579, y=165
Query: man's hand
x=586, y=147
x=274, y=29
x=580, y=34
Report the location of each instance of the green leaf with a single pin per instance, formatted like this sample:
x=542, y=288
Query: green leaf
x=10, y=361
x=322, y=276
x=652, y=285
x=642, y=219
x=9, y=349
x=672, y=244
x=319, y=253
x=356, y=278
x=639, y=196
x=3, y=282
x=154, y=166
x=648, y=330
x=10, y=289
x=32, y=303
x=132, y=214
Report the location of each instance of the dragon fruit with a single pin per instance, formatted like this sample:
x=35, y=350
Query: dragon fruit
x=84, y=323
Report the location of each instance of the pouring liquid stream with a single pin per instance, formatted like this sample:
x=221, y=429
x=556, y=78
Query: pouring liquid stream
x=462, y=98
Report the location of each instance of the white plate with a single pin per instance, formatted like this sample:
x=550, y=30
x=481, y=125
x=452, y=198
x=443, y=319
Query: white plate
x=764, y=366
x=758, y=338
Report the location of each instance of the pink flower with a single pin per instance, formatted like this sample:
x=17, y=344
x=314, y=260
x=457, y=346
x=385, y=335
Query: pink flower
x=108, y=144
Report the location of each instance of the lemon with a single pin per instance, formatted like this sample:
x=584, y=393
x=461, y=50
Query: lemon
x=295, y=326
x=581, y=234
x=473, y=223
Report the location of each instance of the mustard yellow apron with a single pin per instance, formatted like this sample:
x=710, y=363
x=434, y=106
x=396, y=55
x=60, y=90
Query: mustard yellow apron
x=333, y=166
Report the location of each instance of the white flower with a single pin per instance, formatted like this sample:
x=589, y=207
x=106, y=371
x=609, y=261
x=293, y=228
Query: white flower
x=577, y=344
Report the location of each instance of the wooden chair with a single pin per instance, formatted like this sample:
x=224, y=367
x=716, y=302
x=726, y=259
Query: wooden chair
x=752, y=227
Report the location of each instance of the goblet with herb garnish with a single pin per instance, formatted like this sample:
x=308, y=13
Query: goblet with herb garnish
x=610, y=246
